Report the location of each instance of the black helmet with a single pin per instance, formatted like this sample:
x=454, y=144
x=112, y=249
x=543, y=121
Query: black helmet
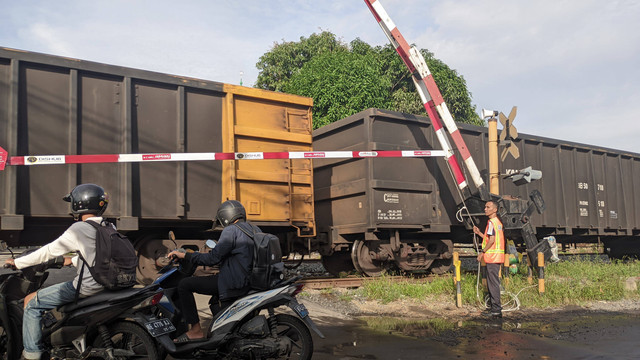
x=230, y=211
x=87, y=199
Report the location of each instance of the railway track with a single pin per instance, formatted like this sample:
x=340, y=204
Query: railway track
x=356, y=282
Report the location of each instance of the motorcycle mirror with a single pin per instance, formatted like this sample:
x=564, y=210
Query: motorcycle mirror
x=210, y=244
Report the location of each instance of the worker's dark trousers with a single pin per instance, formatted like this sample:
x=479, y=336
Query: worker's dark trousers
x=493, y=283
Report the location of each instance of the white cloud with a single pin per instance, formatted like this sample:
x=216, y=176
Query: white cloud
x=559, y=61
x=44, y=34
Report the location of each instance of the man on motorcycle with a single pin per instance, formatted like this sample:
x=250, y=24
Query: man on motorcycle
x=234, y=253
x=88, y=202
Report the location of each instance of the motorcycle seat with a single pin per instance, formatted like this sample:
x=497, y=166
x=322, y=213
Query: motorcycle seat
x=106, y=296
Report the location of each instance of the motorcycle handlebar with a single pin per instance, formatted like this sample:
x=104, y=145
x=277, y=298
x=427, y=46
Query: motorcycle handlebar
x=57, y=263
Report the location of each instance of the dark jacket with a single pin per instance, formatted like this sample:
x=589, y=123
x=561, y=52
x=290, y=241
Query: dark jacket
x=234, y=253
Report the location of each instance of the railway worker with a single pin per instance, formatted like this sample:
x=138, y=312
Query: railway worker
x=493, y=254
x=234, y=253
x=88, y=202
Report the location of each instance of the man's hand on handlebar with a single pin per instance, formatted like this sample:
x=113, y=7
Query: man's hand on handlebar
x=176, y=254
x=10, y=263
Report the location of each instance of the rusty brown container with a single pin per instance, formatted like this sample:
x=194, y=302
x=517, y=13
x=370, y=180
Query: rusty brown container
x=54, y=105
x=381, y=210
x=378, y=193
x=591, y=193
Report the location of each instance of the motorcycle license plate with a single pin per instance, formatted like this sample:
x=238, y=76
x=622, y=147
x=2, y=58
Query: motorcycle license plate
x=301, y=310
x=159, y=327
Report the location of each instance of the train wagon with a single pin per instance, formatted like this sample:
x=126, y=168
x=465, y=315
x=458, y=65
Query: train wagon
x=405, y=212
x=54, y=105
x=367, y=214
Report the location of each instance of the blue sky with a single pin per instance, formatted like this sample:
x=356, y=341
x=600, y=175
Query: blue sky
x=572, y=67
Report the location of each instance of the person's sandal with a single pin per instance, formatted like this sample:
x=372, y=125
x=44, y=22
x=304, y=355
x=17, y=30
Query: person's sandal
x=184, y=338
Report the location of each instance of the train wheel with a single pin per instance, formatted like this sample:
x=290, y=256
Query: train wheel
x=151, y=257
x=363, y=259
x=337, y=263
x=441, y=266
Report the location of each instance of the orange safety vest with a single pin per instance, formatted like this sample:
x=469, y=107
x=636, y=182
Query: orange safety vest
x=495, y=255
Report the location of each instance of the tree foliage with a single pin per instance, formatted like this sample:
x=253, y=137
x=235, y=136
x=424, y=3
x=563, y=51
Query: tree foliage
x=345, y=79
x=287, y=58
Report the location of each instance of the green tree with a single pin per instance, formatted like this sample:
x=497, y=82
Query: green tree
x=345, y=79
x=285, y=59
x=341, y=83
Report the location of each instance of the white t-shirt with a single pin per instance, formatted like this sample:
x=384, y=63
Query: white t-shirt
x=79, y=237
x=490, y=229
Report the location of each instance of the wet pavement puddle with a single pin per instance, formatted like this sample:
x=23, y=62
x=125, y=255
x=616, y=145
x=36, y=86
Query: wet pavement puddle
x=569, y=335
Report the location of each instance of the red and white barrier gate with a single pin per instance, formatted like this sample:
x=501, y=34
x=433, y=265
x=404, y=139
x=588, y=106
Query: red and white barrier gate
x=209, y=156
x=431, y=98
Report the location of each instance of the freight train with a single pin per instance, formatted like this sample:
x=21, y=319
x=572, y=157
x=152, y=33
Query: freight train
x=369, y=213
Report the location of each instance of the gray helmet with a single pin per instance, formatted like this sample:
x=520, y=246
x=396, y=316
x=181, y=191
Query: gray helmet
x=88, y=199
x=230, y=211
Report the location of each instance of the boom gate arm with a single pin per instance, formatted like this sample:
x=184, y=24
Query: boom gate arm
x=515, y=212
x=432, y=100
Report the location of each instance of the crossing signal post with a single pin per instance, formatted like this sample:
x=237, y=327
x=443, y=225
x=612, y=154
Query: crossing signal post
x=508, y=134
x=494, y=168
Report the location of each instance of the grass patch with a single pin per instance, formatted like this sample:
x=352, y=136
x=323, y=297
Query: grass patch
x=347, y=297
x=574, y=282
x=385, y=289
x=429, y=327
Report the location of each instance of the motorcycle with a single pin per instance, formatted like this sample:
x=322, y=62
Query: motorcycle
x=111, y=324
x=240, y=329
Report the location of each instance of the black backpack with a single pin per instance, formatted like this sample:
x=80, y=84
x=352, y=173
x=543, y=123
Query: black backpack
x=116, y=260
x=267, y=269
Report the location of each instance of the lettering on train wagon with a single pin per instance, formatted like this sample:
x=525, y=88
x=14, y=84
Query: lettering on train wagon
x=390, y=215
x=392, y=198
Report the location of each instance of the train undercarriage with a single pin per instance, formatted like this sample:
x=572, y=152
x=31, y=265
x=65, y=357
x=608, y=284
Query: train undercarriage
x=375, y=253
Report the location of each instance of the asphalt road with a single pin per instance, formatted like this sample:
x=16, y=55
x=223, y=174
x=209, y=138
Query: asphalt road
x=593, y=336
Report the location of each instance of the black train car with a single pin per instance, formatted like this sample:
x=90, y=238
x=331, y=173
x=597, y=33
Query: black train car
x=55, y=105
x=375, y=212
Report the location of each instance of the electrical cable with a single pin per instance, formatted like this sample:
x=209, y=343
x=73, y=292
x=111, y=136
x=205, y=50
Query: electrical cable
x=513, y=298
